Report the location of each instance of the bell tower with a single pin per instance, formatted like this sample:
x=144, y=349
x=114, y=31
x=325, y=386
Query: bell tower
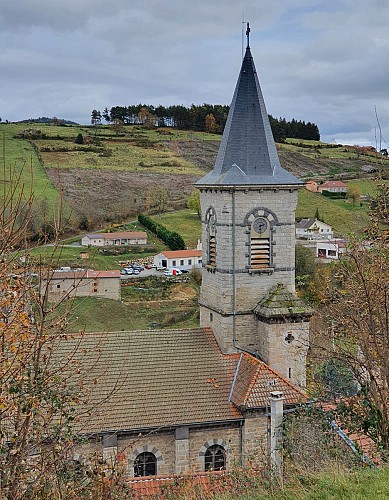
x=248, y=204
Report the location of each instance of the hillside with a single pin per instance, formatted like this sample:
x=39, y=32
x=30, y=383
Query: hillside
x=113, y=173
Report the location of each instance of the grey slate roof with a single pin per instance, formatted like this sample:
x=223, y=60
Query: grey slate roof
x=305, y=223
x=247, y=154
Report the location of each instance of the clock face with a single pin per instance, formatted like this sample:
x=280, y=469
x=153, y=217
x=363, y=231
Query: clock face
x=260, y=225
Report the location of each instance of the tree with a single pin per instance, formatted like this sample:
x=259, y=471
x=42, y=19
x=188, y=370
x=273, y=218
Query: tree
x=193, y=202
x=210, y=124
x=353, y=194
x=96, y=117
x=39, y=399
x=159, y=198
x=354, y=297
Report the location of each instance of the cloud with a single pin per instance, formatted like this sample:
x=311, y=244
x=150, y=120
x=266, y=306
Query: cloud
x=321, y=61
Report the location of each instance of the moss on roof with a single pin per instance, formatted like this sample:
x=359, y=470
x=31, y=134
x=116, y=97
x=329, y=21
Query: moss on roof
x=280, y=302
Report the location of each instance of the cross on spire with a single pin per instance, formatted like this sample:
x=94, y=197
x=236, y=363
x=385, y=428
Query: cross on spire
x=248, y=35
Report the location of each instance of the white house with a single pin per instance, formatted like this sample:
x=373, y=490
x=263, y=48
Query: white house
x=115, y=239
x=330, y=249
x=181, y=259
x=313, y=229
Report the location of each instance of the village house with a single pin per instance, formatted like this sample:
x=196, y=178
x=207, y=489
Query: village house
x=333, y=187
x=185, y=260
x=115, y=239
x=312, y=229
x=330, y=249
x=84, y=283
x=174, y=401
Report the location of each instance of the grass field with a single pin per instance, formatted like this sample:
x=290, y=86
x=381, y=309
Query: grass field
x=20, y=156
x=96, y=315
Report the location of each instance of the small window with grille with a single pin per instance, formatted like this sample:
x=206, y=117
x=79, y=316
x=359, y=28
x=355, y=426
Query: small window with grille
x=145, y=464
x=260, y=243
x=215, y=458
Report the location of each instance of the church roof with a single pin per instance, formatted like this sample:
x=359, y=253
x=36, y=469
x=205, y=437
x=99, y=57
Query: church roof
x=150, y=379
x=247, y=154
x=255, y=380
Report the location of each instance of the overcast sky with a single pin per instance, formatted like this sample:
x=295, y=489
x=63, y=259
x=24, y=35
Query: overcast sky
x=325, y=61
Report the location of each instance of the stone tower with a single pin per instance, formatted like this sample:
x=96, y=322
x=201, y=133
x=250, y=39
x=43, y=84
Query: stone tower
x=248, y=204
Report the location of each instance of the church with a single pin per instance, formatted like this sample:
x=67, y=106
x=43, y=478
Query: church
x=173, y=401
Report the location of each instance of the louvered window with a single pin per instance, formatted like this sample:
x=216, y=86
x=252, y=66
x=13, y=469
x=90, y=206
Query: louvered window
x=260, y=243
x=212, y=251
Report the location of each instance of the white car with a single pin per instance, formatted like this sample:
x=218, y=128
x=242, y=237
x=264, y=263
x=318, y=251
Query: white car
x=172, y=271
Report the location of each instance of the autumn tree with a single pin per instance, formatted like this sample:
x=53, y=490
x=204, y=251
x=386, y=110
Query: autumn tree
x=40, y=399
x=210, y=124
x=354, y=306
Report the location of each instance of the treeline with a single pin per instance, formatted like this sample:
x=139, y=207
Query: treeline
x=203, y=118
x=172, y=239
x=294, y=129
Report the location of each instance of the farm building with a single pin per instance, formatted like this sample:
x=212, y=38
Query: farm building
x=85, y=283
x=117, y=239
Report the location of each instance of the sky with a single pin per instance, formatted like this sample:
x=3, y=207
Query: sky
x=324, y=61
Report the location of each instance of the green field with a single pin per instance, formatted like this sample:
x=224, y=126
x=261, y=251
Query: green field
x=20, y=157
x=100, y=315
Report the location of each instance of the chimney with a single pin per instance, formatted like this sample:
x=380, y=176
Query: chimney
x=276, y=416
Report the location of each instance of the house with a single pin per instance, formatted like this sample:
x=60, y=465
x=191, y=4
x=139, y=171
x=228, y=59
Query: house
x=84, y=283
x=333, y=187
x=181, y=259
x=330, y=249
x=173, y=401
x=312, y=229
x=117, y=239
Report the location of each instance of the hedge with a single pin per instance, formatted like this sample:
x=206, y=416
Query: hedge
x=172, y=239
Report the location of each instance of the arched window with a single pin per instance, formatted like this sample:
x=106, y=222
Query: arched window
x=145, y=464
x=210, y=219
x=215, y=458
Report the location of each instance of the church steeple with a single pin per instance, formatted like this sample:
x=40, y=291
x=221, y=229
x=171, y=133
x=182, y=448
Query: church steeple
x=247, y=154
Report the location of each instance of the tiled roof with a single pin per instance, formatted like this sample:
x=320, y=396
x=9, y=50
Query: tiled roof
x=120, y=235
x=279, y=302
x=247, y=153
x=332, y=184
x=143, y=379
x=149, y=379
x=85, y=274
x=255, y=381
x=182, y=253
x=187, y=486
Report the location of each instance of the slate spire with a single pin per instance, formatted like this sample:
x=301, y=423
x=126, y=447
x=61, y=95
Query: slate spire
x=247, y=153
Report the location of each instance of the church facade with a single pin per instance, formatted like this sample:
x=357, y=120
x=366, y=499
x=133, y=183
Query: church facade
x=173, y=401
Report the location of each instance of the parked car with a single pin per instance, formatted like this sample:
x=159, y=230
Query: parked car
x=172, y=271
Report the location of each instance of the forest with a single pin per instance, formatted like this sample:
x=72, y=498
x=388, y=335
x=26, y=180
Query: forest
x=209, y=118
